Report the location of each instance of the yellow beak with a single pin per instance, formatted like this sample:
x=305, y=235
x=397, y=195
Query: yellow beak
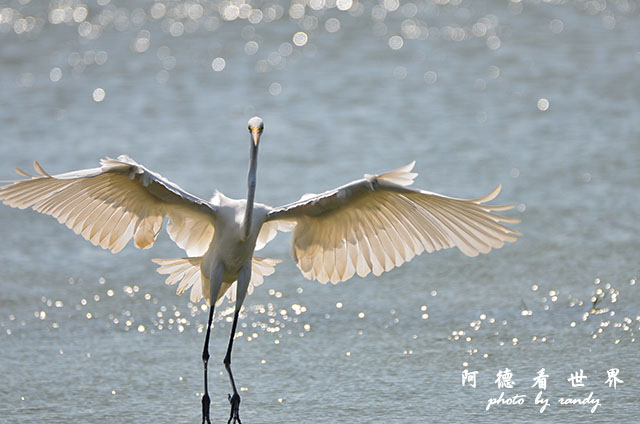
x=255, y=136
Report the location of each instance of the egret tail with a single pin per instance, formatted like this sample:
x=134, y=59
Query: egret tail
x=187, y=271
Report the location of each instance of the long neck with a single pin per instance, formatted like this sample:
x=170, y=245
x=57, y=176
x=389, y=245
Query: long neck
x=248, y=213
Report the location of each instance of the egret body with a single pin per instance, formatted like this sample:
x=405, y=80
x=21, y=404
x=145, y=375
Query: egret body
x=369, y=225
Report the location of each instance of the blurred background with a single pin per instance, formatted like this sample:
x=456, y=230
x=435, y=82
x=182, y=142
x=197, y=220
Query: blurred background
x=540, y=96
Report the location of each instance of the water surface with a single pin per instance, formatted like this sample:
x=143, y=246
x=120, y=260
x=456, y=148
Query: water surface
x=540, y=97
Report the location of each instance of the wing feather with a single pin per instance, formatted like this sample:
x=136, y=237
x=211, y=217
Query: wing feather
x=351, y=254
x=389, y=250
x=390, y=225
x=487, y=230
x=341, y=258
x=110, y=224
x=70, y=207
x=116, y=202
x=53, y=204
x=378, y=223
x=379, y=258
x=409, y=244
x=108, y=236
x=411, y=233
x=365, y=252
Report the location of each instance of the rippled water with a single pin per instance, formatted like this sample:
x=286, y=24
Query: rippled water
x=539, y=96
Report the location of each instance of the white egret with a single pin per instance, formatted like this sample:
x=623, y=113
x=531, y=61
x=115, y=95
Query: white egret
x=369, y=225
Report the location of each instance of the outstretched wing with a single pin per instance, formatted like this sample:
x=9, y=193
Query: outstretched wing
x=377, y=223
x=114, y=203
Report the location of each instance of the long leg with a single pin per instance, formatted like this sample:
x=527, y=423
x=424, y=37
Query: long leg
x=244, y=277
x=215, y=283
x=206, y=401
x=235, y=399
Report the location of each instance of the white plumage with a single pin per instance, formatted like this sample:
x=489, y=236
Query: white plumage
x=370, y=225
x=378, y=223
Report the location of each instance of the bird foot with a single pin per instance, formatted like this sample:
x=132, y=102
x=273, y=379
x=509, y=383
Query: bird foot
x=206, y=403
x=234, y=417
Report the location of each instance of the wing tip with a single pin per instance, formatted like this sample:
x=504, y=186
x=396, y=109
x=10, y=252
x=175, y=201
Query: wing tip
x=22, y=173
x=488, y=197
x=39, y=169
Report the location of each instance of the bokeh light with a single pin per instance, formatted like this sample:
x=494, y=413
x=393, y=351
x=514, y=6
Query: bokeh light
x=98, y=94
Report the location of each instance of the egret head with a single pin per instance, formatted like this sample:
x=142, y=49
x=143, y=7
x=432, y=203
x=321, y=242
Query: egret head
x=256, y=126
